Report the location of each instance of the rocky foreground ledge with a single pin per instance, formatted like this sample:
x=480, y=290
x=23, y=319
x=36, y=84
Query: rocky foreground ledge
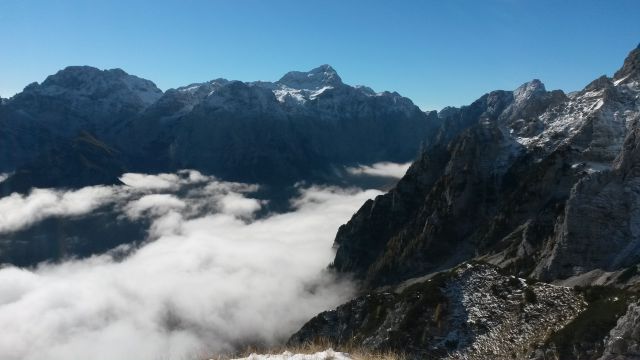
x=470, y=312
x=287, y=355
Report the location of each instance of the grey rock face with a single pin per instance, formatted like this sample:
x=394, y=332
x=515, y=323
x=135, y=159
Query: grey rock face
x=623, y=342
x=630, y=71
x=437, y=215
x=600, y=228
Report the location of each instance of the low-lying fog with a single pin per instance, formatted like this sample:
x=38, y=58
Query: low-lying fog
x=209, y=278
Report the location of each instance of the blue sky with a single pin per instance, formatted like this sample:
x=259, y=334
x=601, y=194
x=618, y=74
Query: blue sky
x=437, y=53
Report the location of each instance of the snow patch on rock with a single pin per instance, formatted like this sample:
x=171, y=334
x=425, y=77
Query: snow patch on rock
x=323, y=355
x=493, y=316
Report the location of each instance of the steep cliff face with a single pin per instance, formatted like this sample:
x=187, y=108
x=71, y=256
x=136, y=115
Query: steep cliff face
x=524, y=179
x=599, y=227
x=435, y=216
x=630, y=71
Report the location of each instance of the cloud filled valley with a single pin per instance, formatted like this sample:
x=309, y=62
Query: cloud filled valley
x=211, y=275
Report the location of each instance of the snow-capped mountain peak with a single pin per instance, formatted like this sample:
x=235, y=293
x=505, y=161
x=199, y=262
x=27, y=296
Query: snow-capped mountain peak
x=298, y=87
x=93, y=83
x=528, y=90
x=321, y=77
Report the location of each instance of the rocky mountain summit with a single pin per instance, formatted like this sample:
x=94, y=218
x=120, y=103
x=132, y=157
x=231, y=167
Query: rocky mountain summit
x=542, y=185
x=78, y=99
x=623, y=341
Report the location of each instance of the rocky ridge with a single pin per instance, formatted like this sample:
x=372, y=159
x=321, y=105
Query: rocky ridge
x=503, y=184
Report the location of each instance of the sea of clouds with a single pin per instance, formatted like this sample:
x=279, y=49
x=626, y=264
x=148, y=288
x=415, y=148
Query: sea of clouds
x=211, y=277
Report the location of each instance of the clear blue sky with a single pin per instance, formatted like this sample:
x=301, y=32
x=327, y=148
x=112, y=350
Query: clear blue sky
x=440, y=52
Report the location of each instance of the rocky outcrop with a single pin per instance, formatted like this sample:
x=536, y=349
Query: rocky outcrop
x=623, y=342
x=471, y=312
x=630, y=70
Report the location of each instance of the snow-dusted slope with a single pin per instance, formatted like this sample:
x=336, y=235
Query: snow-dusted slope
x=75, y=99
x=322, y=355
x=298, y=86
x=113, y=86
x=602, y=111
x=471, y=312
x=180, y=101
x=82, y=97
x=293, y=90
x=594, y=121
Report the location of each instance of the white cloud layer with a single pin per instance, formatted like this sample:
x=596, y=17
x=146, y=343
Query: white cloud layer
x=205, y=284
x=163, y=181
x=155, y=204
x=18, y=211
x=383, y=169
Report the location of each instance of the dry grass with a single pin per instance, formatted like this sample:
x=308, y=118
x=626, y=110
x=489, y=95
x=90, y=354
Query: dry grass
x=355, y=351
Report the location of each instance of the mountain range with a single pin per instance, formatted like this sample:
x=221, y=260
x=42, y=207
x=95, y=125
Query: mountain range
x=84, y=126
